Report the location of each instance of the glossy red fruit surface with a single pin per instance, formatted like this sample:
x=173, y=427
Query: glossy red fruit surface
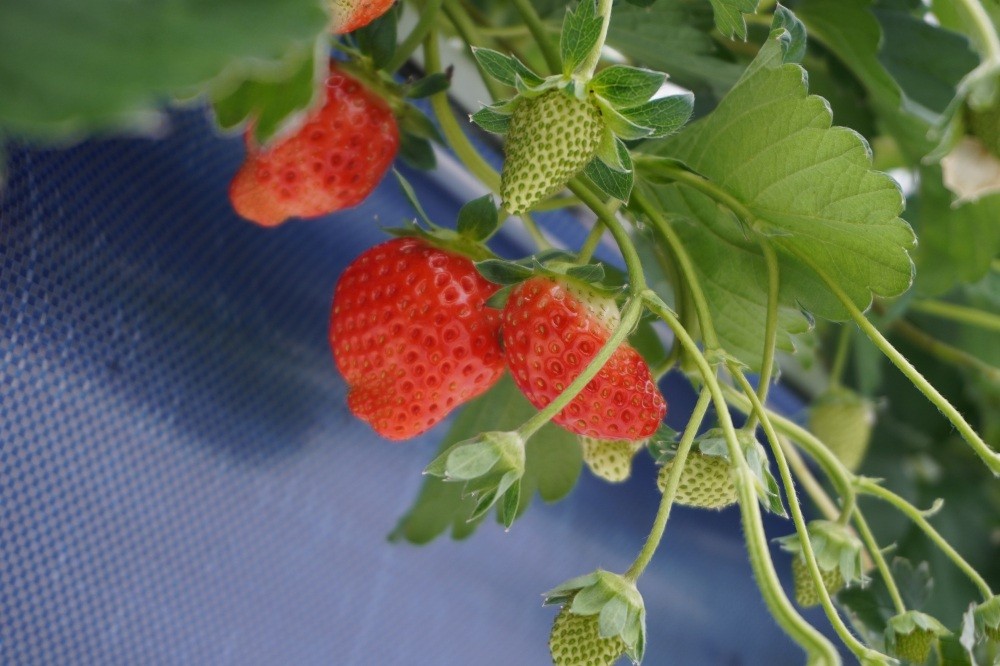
x=551, y=330
x=412, y=335
x=332, y=161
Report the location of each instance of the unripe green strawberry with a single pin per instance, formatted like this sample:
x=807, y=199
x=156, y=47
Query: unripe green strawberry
x=985, y=125
x=706, y=482
x=610, y=459
x=575, y=641
x=987, y=615
x=806, y=594
x=552, y=137
x=911, y=635
x=914, y=646
x=843, y=421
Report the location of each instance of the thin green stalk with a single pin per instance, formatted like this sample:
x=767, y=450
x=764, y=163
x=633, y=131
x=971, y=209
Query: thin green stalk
x=539, y=32
x=470, y=35
x=679, y=174
x=840, y=357
x=985, y=33
x=876, y=554
x=770, y=328
x=870, y=487
x=990, y=457
x=588, y=66
x=859, y=649
x=637, y=280
x=590, y=244
x=535, y=232
x=670, y=491
x=643, y=205
x=428, y=16
x=944, y=351
x=808, y=481
x=629, y=318
x=555, y=203
x=454, y=134
x=819, y=649
x=962, y=314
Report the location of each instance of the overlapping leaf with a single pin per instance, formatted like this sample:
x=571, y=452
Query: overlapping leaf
x=809, y=187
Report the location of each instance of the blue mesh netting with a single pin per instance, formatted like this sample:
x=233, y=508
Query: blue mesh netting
x=180, y=480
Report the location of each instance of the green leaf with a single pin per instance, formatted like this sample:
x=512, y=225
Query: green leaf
x=377, y=40
x=491, y=120
x=580, y=33
x=269, y=101
x=553, y=463
x=413, y=121
x=72, y=68
x=429, y=85
x=957, y=243
x=613, y=182
x=809, y=188
x=505, y=69
x=625, y=86
x=621, y=125
x=664, y=116
x=674, y=36
x=729, y=16
x=478, y=219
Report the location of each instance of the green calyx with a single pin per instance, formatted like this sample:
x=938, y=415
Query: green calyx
x=555, y=264
x=491, y=466
x=987, y=618
x=985, y=125
x=574, y=121
x=609, y=619
x=912, y=634
x=838, y=555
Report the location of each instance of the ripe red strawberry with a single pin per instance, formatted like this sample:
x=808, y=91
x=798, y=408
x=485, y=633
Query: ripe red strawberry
x=332, y=161
x=412, y=335
x=551, y=331
x=349, y=15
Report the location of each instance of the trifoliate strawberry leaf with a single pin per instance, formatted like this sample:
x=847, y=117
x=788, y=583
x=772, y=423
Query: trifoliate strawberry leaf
x=377, y=40
x=612, y=181
x=729, y=16
x=624, y=86
x=478, y=219
x=491, y=119
x=663, y=116
x=581, y=31
x=806, y=187
x=503, y=68
x=552, y=465
x=65, y=73
x=269, y=101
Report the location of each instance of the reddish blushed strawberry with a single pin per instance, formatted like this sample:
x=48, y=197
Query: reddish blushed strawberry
x=349, y=15
x=332, y=161
x=551, y=330
x=412, y=335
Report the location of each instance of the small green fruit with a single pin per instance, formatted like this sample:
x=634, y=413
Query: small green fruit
x=552, y=137
x=706, y=482
x=912, y=634
x=610, y=459
x=843, y=421
x=985, y=125
x=575, y=641
x=806, y=594
x=915, y=646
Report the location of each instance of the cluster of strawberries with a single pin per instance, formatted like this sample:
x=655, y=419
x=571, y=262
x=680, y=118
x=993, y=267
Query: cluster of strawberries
x=410, y=329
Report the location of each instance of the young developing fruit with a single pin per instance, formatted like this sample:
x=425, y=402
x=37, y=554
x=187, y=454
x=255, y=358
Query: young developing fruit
x=610, y=459
x=333, y=161
x=412, y=335
x=705, y=482
x=806, y=594
x=575, y=641
x=985, y=124
x=915, y=646
x=552, y=329
x=551, y=138
x=349, y=15
x=843, y=421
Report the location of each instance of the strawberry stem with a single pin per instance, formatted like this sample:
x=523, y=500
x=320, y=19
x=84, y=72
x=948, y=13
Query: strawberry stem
x=538, y=30
x=673, y=480
x=629, y=319
x=770, y=329
x=990, y=457
x=840, y=357
x=637, y=280
x=428, y=16
x=590, y=244
x=588, y=66
x=870, y=487
x=958, y=313
x=883, y=567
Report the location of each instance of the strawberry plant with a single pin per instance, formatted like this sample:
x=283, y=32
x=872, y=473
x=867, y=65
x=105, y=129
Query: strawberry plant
x=807, y=194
